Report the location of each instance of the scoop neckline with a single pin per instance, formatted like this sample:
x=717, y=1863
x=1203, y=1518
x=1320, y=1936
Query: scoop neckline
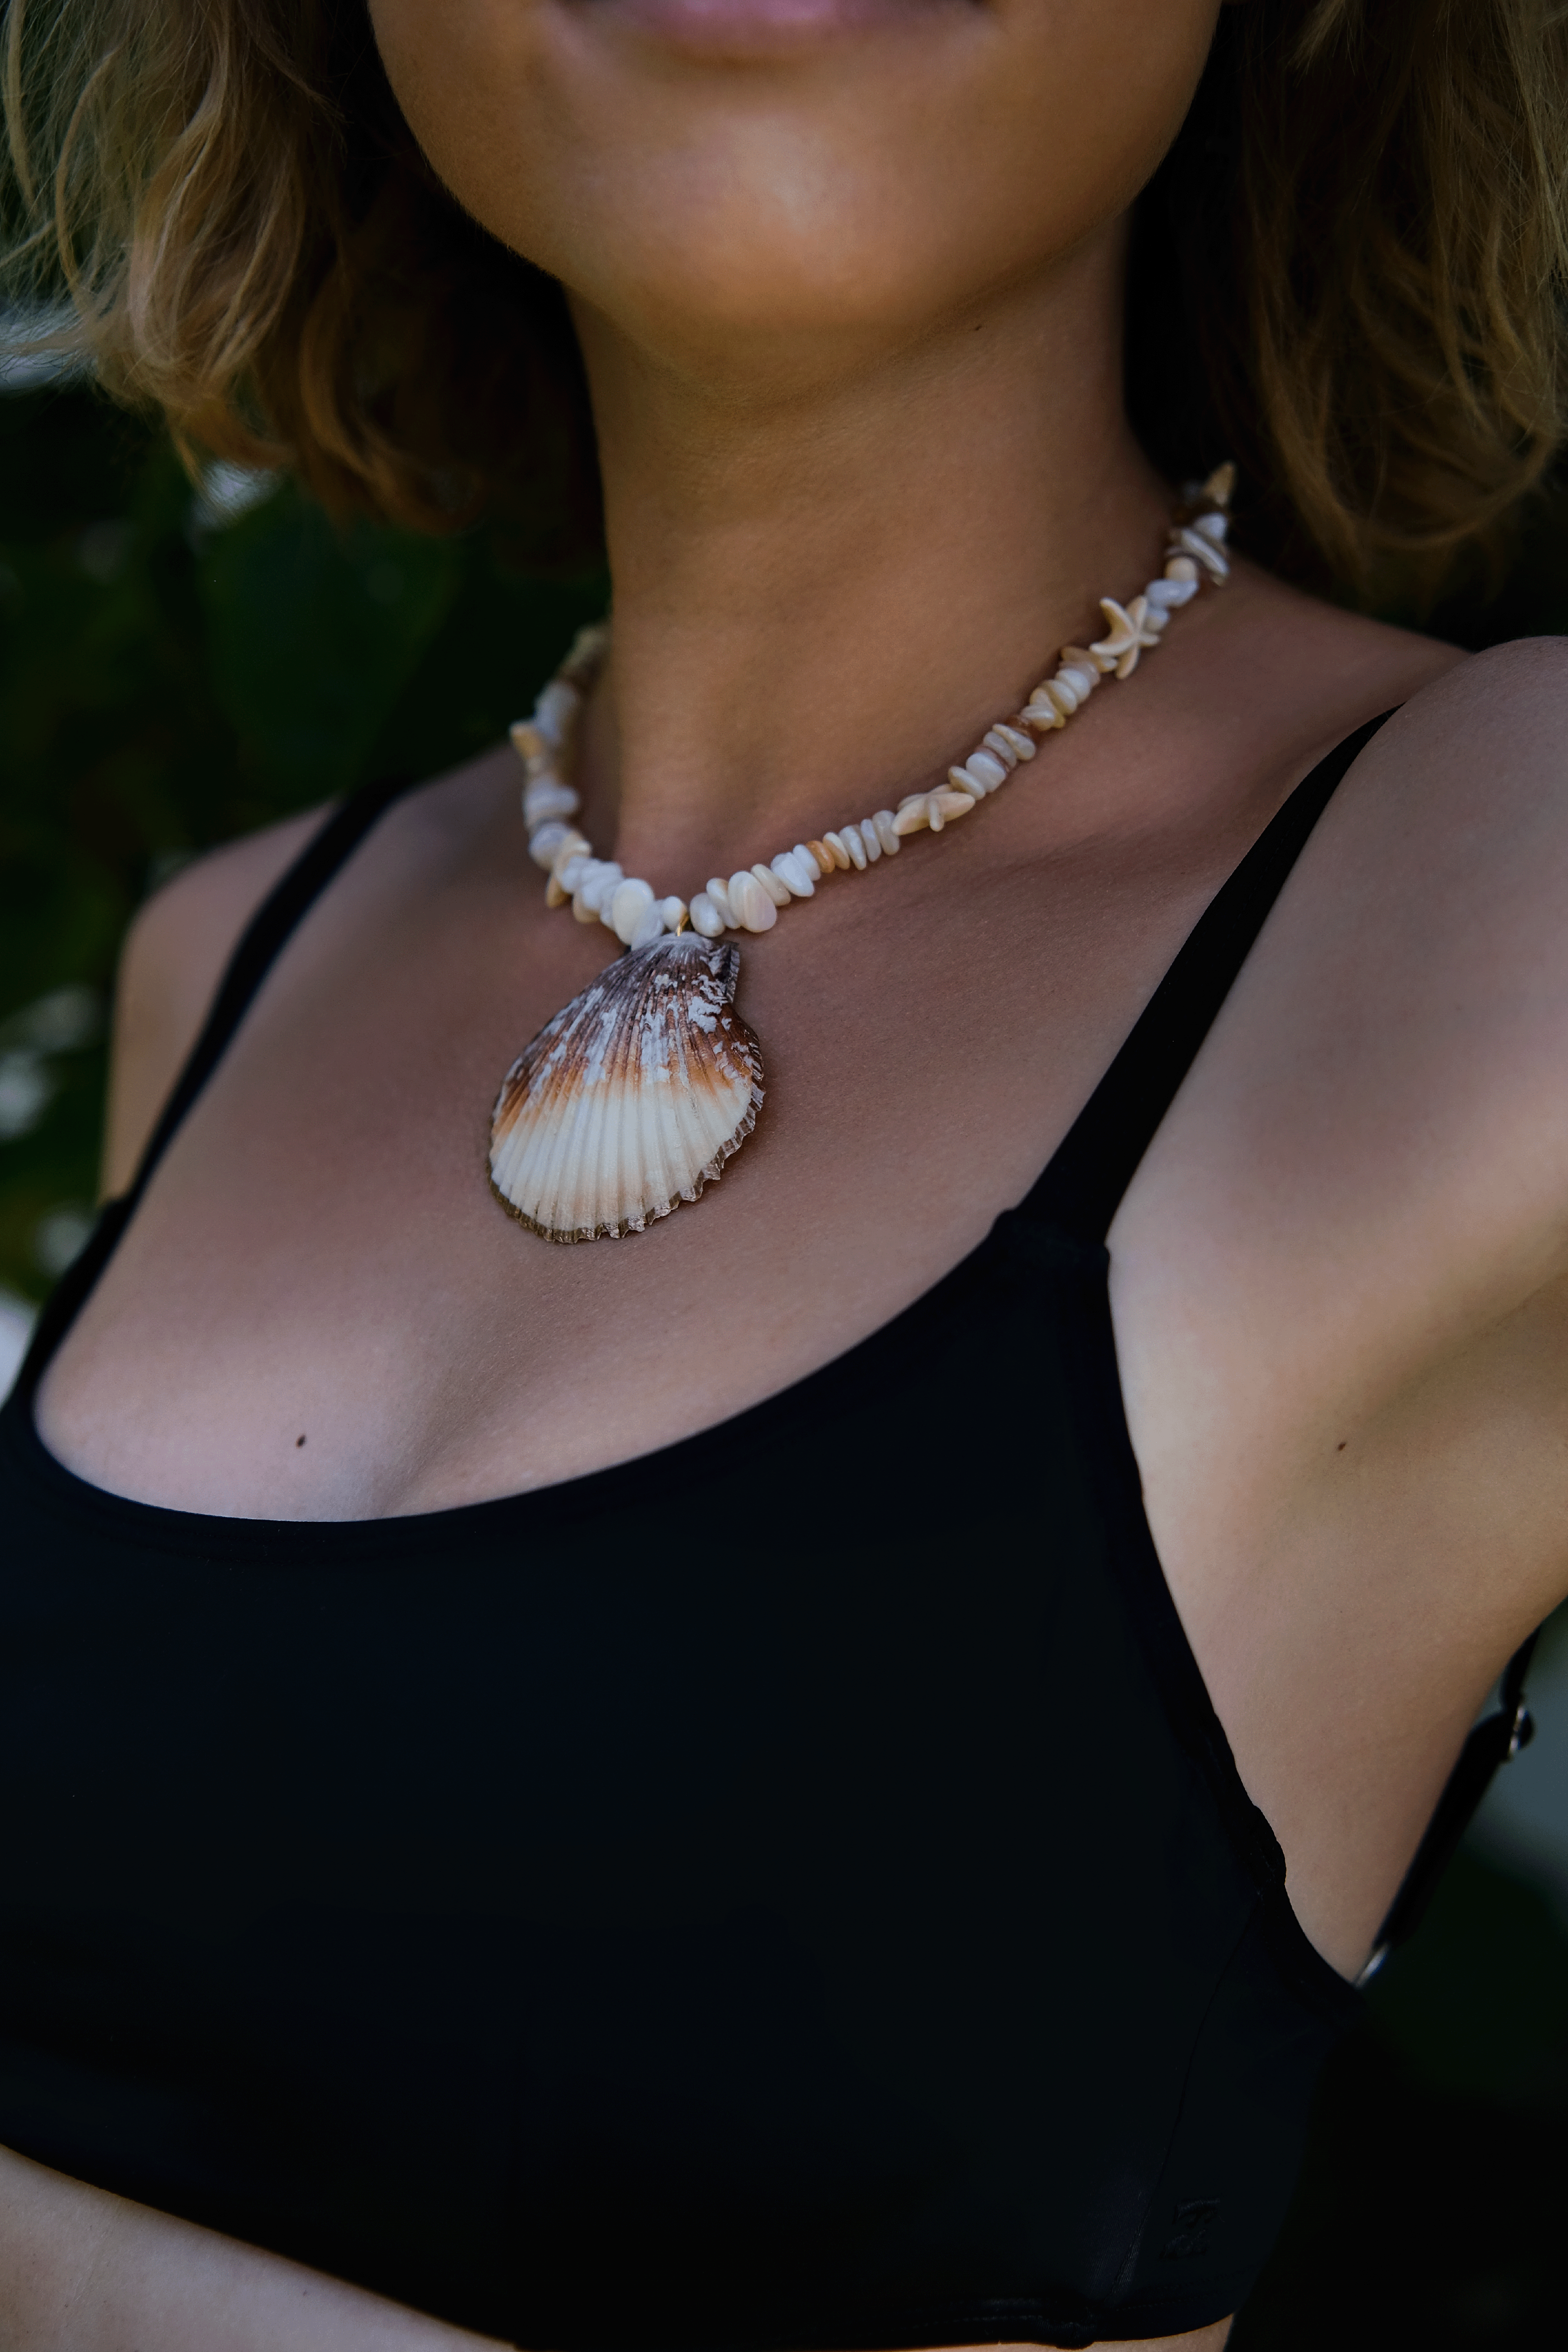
x=637, y=1482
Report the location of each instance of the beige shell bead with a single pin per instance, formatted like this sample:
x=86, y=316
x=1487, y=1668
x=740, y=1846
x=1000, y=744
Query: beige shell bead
x=1083, y=658
x=837, y=851
x=586, y=655
x=887, y=833
x=825, y=863
x=849, y=834
x=774, y=884
x=937, y=809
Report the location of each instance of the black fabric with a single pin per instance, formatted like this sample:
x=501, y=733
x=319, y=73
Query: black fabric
x=272, y=925
x=1494, y=1742
x=1083, y=1186
x=789, y=1890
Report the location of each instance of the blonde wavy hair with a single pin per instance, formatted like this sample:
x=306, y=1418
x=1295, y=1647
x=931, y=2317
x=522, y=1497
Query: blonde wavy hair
x=1349, y=272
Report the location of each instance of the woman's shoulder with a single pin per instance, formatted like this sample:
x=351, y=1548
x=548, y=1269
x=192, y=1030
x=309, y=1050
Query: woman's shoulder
x=1479, y=749
x=181, y=940
x=1510, y=701
x=170, y=965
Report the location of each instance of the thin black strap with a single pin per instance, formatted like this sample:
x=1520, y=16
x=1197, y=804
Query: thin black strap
x=259, y=945
x=1083, y=1186
x=1495, y=1741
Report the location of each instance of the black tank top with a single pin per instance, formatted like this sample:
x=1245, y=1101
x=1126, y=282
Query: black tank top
x=788, y=1890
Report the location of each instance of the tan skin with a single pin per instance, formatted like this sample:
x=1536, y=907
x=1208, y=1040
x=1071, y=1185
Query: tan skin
x=850, y=293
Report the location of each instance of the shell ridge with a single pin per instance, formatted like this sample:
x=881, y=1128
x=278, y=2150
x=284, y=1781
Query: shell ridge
x=629, y=1099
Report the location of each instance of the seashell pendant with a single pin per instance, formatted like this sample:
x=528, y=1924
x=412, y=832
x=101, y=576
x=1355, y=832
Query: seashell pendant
x=632, y=1099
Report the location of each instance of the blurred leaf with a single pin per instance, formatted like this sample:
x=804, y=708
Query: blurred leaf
x=176, y=669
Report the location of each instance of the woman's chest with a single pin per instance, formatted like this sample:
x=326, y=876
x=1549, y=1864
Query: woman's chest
x=320, y=1309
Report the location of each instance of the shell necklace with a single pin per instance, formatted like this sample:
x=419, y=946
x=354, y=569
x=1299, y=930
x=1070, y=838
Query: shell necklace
x=633, y=1098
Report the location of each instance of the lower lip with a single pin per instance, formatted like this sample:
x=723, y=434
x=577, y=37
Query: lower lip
x=740, y=28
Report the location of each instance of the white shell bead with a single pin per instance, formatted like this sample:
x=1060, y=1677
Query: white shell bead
x=555, y=710
x=599, y=889
x=545, y=846
x=750, y=904
x=624, y=907
x=601, y=882
x=1022, y=745
x=984, y=772
x=1207, y=553
x=547, y=798
x=576, y=844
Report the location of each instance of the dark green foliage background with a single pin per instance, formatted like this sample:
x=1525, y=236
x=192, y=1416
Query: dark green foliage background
x=164, y=686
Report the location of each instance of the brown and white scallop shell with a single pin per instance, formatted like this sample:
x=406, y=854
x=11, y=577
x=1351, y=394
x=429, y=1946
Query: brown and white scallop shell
x=631, y=1098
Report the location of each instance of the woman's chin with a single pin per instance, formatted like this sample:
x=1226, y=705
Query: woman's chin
x=739, y=29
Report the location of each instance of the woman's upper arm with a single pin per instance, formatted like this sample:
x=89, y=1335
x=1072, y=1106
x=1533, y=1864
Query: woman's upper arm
x=172, y=962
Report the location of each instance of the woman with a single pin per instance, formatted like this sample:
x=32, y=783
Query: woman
x=684, y=1792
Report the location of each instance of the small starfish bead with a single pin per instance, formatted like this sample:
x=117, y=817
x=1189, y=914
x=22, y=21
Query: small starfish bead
x=1129, y=631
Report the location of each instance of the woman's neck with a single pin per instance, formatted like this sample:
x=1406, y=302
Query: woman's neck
x=823, y=592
